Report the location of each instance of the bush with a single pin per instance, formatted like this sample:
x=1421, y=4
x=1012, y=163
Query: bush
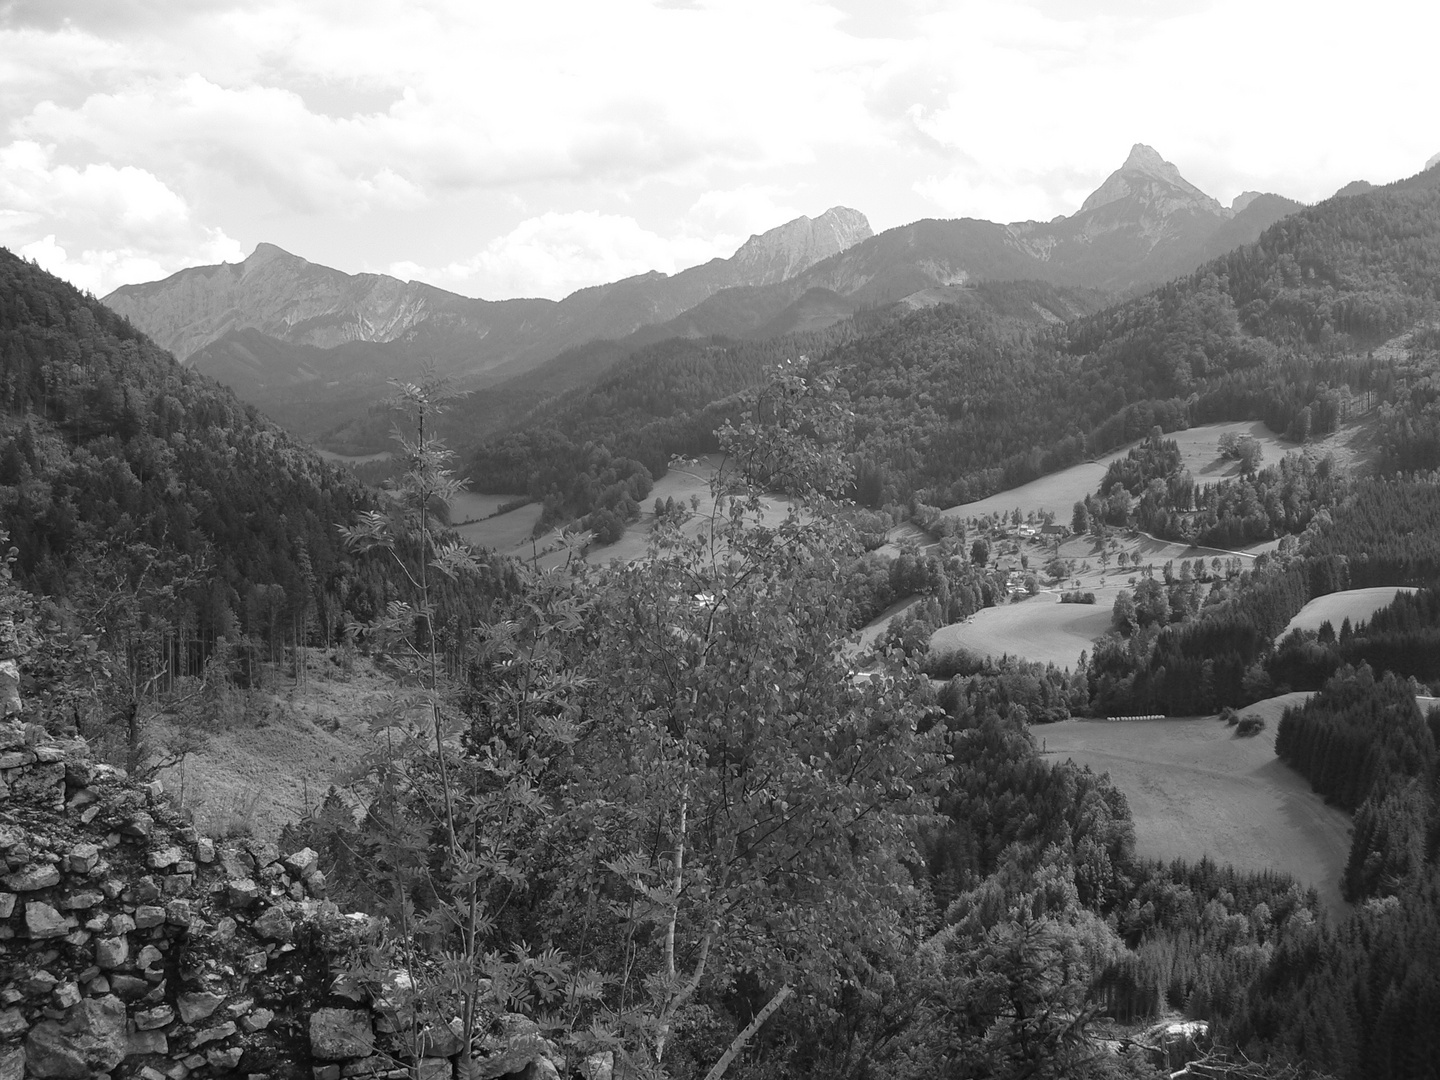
x=1250, y=724
x=1077, y=597
x=956, y=660
x=1230, y=716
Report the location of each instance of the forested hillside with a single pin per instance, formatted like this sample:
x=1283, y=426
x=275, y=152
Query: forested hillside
x=959, y=401
x=670, y=398
x=166, y=521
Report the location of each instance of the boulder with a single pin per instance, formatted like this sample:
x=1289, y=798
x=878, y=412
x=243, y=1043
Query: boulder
x=90, y=1041
x=43, y=921
x=441, y=1041
x=166, y=857
x=302, y=862
x=82, y=858
x=146, y=1042
x=274, y=925
x=197, y=1006
x=32, y=877
x=138, y=826
x=148, y=915
x=158, y=1017
x=341, y=1033
x=111, y=953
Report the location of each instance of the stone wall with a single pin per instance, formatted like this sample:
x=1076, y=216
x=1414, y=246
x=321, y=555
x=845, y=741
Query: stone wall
x=131, y=946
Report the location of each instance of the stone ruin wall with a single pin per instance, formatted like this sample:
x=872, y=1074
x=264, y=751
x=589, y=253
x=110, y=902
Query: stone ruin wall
x=131, y=946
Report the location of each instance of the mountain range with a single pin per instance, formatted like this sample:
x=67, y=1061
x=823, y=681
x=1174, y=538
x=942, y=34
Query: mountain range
x=314, y=347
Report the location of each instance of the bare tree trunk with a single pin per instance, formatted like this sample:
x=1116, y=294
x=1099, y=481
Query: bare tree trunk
x=745, y=1036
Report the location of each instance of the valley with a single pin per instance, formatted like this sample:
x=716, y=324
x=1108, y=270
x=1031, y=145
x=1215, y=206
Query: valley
x=656, y=787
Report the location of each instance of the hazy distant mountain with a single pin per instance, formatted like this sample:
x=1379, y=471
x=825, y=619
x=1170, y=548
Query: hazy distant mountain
x=1144, y=225
x=1433, y=162
x=784, y=252
x=1355, y=187
x=314, y=346
x=300, y=302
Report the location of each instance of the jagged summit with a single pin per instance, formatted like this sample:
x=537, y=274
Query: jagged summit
x=1146, y=174
x=786, y=250
x=266, y=252
x=1433, y=162
x=1244, y=199
x=1147, y=159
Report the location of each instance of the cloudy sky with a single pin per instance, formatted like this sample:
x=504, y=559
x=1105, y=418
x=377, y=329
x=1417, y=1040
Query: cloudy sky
x=525, y=148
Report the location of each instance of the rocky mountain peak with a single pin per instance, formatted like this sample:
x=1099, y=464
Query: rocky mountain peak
x=1147, y=159
x=1433, y=162
x=786, y=250
x=266, y=252
x=1149, y=176
x=1244, y=199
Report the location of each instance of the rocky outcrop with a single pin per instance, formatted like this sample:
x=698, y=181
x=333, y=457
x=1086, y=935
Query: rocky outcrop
x=131, y=946
x=1146, y=174
x=797, y=245
x=293, y=301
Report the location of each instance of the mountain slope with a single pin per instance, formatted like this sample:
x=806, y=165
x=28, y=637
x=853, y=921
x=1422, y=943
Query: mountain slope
x=1146, y=224
x=960, y=400
x=331, y=351
x=302, y=303
x=119, y=469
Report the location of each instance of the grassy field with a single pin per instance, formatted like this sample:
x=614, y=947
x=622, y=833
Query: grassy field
x=472, y=506
x=1353, y=604
x=1040, y=629
x=1196, y=789
x=508, y=533
x=1060, y=491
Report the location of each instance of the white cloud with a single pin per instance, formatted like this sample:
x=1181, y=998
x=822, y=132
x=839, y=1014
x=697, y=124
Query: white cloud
x=125, y=224
x=733, y=215
x=554, y=254
x=411, y=131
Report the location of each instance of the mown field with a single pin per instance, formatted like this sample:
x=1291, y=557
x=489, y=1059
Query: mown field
x=1040, y=629
x=1357, y=605
x=1060, y=491
x=1196, y=789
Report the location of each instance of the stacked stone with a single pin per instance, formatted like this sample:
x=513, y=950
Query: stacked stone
x=131, y=946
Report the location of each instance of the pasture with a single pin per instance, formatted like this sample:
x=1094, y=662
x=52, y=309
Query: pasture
x=1196, y=789
x=1357, y=605
x=472, y=506
x=1060, y=491
x=508, y=533
x=1040, y=629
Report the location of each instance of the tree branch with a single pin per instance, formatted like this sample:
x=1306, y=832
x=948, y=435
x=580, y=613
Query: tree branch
x=738, y=1043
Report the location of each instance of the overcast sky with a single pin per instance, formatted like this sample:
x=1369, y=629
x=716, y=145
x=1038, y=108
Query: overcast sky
x=529, y=149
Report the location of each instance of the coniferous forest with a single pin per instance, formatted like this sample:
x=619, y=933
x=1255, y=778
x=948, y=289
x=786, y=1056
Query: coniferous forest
x=663, y=812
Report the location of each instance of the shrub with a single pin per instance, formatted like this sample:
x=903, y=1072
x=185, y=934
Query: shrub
x=1250, y=724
